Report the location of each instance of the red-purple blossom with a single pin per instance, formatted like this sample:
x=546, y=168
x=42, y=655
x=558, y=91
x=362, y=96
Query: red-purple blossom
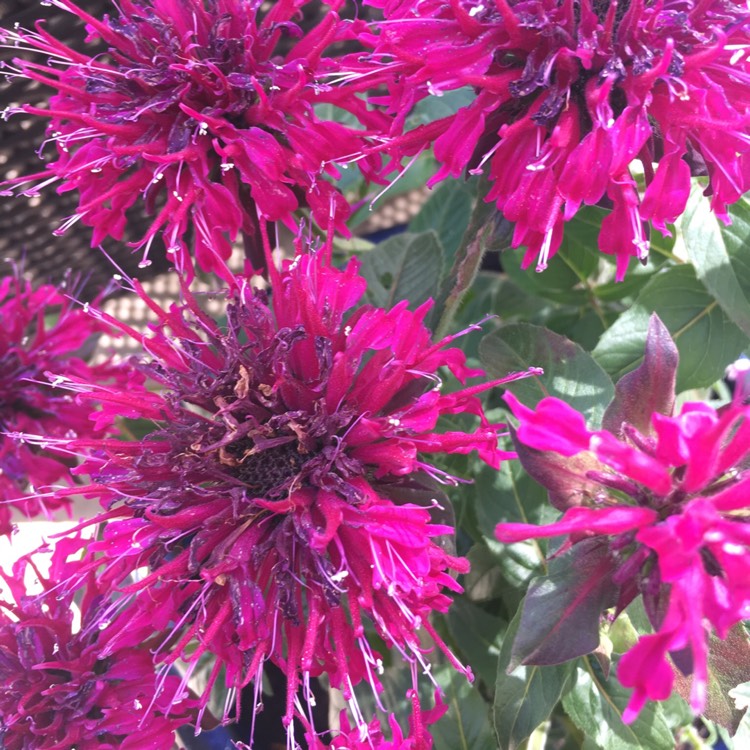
x=285, y=497
x=59, y=691
x=569, y=95
x=671, y=506
x=196, y=112
x=41, y=337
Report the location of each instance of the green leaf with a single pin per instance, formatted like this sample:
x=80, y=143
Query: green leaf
x=510, y=495
x=476, y=304
x=629, y=287
x=513, y=302
x=570, y=373
x=580, y=240
x=558, y=283
x=466, y=726
x=407, y=266
x=737, y=239
x=706, y=245
x=447, y=212
x=479, y=636
x=596, y=706
x=434, y=108
x=478, y=237
x=484, y=582
x=525, y=697
x=585, y=328
x=565, y=279
x=706, y=339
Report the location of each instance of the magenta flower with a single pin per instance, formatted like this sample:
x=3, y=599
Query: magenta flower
x=284, y=498
x=196, y=112
x=41, y=335
x=658, y=508
x=58, y=690
x=569, y=96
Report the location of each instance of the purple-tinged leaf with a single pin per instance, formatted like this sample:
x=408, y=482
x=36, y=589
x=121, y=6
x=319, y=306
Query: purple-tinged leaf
x=560, y=619
x=728, y=666
x=564, y=477
x=649, y=388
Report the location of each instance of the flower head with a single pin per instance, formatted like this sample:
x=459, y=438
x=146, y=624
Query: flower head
x=285, y=498
x=41, y=340
x=58, y=690
x=670, y=505
x=192, y=107
x=570, y=95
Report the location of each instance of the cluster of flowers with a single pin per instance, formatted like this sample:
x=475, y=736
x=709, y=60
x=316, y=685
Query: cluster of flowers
x=43, y=338
x=198, y=110
x=264, y=517
x=275, y=511
x=660, y=502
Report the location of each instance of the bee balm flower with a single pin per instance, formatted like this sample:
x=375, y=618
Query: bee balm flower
x=285, y=497
x=190, y=107
x=569, y=95
x=41, y=336
x=58, y=691
x=655, y=505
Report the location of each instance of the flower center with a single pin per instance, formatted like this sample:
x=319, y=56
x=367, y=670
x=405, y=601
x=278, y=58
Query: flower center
x=269, y=472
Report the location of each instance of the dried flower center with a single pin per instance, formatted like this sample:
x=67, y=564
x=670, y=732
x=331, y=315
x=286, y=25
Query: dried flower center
x=269, y=472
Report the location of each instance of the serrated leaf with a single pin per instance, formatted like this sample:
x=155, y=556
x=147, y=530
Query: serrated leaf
x=476, y=239
x=404, y=267
x=510, y=495
x=525, y=697
x=434, y=108
x=561, y=611
x=565, y=278
x=570, y=373
x=447, y=212
x=466, y=726
x=479, y=636
x=596, y=706
x=707, y=248
x=706, y=339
